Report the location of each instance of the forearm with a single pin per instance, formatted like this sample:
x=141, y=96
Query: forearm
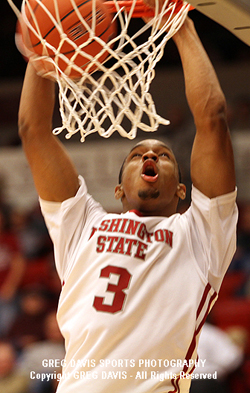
x=212, y=163
x=37, y=103
x=203, y=91
x=53, y=172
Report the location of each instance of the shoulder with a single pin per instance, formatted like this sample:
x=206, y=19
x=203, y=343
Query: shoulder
x=81, y=202
x=224, y=205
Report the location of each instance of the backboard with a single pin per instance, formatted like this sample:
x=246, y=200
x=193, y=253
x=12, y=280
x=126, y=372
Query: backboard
x=234, y=15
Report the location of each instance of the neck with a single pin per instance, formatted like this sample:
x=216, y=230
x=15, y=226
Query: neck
x=146, y=211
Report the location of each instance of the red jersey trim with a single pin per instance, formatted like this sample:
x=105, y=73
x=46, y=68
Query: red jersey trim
x=191, y=349
x=136, y=212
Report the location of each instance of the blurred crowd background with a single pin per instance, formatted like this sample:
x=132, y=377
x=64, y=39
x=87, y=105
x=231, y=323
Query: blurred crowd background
x=29, y=286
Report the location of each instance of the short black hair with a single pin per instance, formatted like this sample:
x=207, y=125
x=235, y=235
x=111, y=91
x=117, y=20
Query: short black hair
x=121, y=171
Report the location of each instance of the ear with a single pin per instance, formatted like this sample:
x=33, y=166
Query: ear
x=119, y=193
x=181, y=191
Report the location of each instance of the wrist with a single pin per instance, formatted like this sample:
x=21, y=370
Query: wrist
x=185, y=30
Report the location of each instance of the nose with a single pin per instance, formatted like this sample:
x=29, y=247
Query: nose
x=150, y=155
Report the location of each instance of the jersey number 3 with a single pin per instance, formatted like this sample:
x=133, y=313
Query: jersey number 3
x=117, y=289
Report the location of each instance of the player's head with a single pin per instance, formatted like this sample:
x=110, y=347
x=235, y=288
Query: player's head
x=149, y=179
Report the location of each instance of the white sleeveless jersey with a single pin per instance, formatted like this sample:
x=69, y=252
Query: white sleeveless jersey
x=136, y=290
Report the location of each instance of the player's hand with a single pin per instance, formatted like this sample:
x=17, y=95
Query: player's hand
x=152, y=4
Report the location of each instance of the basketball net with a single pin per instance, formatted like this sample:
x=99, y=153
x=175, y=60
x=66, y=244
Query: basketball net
x=116, y=97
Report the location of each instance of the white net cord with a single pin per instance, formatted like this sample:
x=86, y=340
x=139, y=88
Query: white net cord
x=116, y=97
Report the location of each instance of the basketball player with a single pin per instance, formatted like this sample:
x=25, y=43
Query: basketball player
x=137, y=287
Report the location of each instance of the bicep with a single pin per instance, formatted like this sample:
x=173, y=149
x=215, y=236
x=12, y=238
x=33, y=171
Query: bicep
x=212, y=162
x=53, y=172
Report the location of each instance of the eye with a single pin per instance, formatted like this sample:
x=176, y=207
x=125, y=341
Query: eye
x=164, y=154
x=135, y=155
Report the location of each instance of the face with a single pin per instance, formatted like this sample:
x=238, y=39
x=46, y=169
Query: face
x=150, y=179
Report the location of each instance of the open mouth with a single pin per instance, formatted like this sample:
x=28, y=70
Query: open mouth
x=149, y=171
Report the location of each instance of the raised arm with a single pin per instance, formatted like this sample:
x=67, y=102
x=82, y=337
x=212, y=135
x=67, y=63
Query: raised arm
x=212, y=163
x=54, y=174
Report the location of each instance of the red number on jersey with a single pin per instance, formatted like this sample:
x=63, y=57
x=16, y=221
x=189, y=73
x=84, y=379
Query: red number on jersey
x=117, y=289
